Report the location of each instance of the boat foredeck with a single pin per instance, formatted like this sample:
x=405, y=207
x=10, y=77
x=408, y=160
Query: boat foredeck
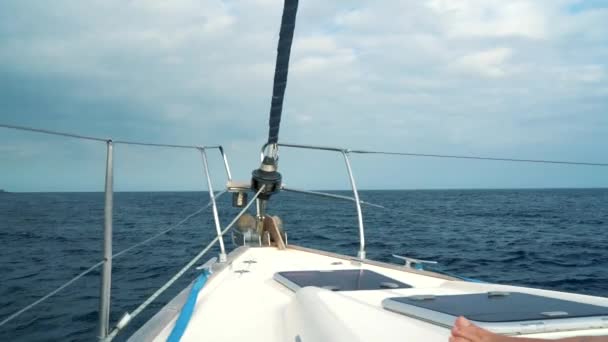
x=242, y=300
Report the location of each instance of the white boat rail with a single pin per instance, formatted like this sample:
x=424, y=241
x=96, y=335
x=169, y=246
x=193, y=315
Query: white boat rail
x=353, y=185
x=346, y=151
x=107, y=334
x=127, y=317
x=106, y=274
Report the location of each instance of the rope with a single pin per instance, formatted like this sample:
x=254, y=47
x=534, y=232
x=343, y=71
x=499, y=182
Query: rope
x=50, y=294
x=125, y=142
x=345, y=150
x=46, y=131
x=328, y=195
x=351, y=199
x=92, y=268
x=479, y=158
x=184, y=269
x=347, y=198
x=168, y=229
x=85, y=137
x=408, y=154
x=181, y=324
x=162, y=289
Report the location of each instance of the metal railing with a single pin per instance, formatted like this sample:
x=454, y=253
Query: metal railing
x=105, y=281
x=345, y=152
x=353, y=185
x=106, y=263
x=128, y=317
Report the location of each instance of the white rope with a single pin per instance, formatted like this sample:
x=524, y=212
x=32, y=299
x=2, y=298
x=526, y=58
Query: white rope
x=335, y=196
x=184, y=269
x=351, y=199
x=92, y=268
x=46, y=131
x=166, y=230
x=541, y=161
x=408, y=154
x=50, y=294
x=85, y=137
x=124, y=142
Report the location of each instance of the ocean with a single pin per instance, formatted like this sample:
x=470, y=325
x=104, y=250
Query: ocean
x=553, y=239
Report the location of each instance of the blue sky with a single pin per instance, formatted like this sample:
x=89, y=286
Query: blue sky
x=525, y=79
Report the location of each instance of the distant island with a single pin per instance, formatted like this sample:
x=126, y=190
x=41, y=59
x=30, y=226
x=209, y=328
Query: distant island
x=2, y=190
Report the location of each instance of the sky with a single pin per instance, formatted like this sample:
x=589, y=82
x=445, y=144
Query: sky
x=515, y=79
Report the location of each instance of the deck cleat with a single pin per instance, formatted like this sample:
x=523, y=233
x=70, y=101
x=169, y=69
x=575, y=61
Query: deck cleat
x=418, y=264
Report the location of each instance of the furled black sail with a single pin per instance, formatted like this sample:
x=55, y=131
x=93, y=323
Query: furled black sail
x=288, y=24
x=267, y=177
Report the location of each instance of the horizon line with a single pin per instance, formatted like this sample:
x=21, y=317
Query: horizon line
x=360, y=190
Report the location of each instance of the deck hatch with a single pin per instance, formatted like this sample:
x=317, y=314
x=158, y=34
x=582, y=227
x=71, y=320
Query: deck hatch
x=505, y=313
x=339, y=280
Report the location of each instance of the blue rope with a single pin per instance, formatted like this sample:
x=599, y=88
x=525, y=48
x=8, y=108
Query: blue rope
x=184, y=316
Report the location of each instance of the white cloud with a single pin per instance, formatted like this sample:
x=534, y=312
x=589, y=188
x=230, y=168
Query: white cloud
x=583, y=73
x=320, y=54
x=488, y=63
x=423, y=75
x=487, y=18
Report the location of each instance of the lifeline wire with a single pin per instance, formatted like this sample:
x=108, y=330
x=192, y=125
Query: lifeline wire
x=168, y=229
x=46, y=131
x=50, y=294
x=541, y=161
x=351, y=199
x=407, y=154
x=92, y=268
x=181, y=272
x=85, y=137
x=470, y=157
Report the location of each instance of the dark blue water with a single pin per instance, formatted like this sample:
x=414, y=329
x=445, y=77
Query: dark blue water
x=554, y=239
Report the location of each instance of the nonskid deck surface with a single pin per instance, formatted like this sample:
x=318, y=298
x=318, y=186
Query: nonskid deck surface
x=243, y=300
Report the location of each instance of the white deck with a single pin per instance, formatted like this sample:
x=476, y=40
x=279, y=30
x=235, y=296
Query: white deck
x=252, y=306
